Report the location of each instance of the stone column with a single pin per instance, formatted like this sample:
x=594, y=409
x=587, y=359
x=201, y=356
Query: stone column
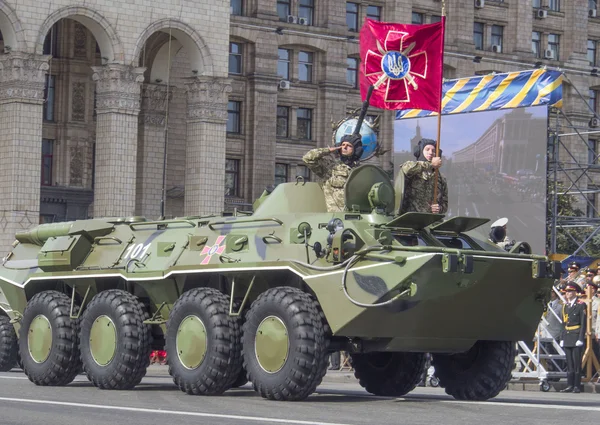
x=117, y=109
x=205, y=146
x=22, y=79
x=151, y=150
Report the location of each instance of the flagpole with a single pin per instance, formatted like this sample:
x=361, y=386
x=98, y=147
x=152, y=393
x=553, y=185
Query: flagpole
x=439, y=121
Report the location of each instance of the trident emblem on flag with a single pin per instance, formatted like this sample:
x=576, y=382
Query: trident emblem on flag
x=209, y=251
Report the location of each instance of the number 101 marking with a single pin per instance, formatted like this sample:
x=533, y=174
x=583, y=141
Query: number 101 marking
x=136, y=251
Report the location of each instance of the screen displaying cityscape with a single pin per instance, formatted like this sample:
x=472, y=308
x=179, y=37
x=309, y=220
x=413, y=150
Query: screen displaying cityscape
x=495, y=165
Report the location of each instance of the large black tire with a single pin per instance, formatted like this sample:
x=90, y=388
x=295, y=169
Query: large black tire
x=478, y=374
x=306, y=362
x=242, y=378
x=133, y=340
x=388, y=374
x=9, y=345
x=62, y=364
x=222, y=362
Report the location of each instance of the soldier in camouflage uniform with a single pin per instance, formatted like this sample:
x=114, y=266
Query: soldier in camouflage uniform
x=334, y=173
x=419, y=181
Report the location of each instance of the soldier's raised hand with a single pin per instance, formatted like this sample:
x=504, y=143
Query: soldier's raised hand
x=436, y=162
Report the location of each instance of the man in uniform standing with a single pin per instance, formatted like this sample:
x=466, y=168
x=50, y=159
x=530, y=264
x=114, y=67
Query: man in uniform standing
x=334, y=173
x=573, y=335
x=498, y=233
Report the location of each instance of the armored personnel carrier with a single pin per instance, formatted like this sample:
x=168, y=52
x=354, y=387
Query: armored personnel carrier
x=266, y=296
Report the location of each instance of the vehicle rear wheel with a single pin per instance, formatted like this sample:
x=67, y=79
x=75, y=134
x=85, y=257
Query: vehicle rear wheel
x=388, y=374
x=9, y=348
x=285, y=344
x=203, y=343
x=48, y=342
x=478, y=374
x=115, y=342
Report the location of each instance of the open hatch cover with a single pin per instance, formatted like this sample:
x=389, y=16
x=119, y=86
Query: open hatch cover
x=459, y=224
x=414, y=220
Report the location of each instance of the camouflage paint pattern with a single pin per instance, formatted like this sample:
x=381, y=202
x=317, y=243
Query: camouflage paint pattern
x=333, y=174
x=418, y=192
x=160, y=260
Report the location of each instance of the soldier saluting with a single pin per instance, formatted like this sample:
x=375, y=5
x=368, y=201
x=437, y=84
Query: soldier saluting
x=573, y=335
x=334, y=173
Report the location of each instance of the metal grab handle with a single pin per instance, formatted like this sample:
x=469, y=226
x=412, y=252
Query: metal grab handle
x=164, y=223
x=97, y=239
x=211, y=226
x=275, y=238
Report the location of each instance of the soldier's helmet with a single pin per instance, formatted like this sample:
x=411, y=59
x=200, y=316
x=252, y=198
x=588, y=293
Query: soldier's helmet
x=356, y=141
x=418, y=151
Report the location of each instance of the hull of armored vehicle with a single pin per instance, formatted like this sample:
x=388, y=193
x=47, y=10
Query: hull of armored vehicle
x=376, y=283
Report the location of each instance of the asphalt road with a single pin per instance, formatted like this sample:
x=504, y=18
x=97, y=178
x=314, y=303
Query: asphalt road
x=158, y=402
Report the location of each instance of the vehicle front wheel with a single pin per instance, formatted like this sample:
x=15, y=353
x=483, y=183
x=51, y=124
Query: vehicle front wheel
x=478, y=374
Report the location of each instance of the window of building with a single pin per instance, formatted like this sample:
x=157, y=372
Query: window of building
x=352, y=72
x=554, y=45
x=283, y=9
x=236, y=7
x=478, y=35
x=232, y=177
x=283, y=64
x=592, y=196
x=303, y=171
x=554, y=5
x=374, y=12
x=417, y=18
x=305, y=66
x=592, y=4
x=304, y=123
x=435, y=18
x=234, y=118
x=497, y=35
x=593, y=100
x=306, y=10
x=352, y=16
x=537, y=4
x=593, y=151
x=281, y=173
x=49, y=90
x=283, y=121
x=51, y=42
x=536, y=44
x=235, y=58
x=47, y=157
x=591, y=52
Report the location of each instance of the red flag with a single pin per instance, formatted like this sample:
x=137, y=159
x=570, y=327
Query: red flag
x=405, y=62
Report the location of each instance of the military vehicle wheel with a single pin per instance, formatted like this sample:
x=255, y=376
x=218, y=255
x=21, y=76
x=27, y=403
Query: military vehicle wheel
x=115, y=342
x=203, y=343
x=241, y=380
x=388, y=374
x=285, y=346
x=9, y=348
x=48, y=342
x=478, y=374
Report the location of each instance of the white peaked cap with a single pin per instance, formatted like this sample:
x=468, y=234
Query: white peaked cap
x=500, y=222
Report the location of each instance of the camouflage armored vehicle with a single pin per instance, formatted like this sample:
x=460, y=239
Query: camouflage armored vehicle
x=266, y=296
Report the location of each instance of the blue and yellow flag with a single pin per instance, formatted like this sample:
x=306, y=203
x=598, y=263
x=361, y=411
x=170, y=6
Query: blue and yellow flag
x=497, y=91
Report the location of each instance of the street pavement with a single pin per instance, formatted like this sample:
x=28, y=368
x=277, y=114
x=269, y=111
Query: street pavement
x=158, y=402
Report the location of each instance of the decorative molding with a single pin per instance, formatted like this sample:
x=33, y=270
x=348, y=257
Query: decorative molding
x=80, y=41
x=207, y=99
x=154, y=104
x=118, y=88
x=22, y=77
x=76, y=165
x=78, y=101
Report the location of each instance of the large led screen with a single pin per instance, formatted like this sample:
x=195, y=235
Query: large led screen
x=495, y=165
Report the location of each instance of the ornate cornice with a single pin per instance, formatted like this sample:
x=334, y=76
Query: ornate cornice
x=207, y=99
x=22, y=77
x=118, y=88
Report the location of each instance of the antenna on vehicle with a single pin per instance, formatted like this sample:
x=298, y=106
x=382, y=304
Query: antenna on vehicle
x=164, y=176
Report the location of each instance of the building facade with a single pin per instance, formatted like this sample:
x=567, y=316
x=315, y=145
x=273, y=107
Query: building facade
x=186, y=108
